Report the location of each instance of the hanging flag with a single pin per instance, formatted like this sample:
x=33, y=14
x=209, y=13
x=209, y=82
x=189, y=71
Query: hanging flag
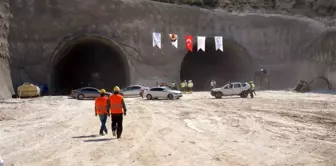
x=189, y=43
x=201, y=43
x=219, y=43
x=157, y=39
x=173, y=39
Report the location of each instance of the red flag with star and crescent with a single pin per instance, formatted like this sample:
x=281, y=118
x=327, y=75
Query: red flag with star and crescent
x=189, y=42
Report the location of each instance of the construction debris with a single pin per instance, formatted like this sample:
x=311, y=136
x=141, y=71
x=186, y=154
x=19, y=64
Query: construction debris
x=302, y=86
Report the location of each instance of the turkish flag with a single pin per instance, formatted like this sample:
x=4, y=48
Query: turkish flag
x=189, y=43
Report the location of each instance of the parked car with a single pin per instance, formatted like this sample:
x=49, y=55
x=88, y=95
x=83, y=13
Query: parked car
x=232, y=89
x=162, y=93
x=86, y=92
x=133, y=91
x=28, y=90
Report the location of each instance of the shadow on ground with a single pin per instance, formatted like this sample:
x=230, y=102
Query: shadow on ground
x=99, y=140
x=86, y=136
x=225, y=97
x=323, y=91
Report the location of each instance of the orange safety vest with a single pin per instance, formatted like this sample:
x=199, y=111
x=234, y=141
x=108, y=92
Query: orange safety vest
x=101, y=105
x=116, y=104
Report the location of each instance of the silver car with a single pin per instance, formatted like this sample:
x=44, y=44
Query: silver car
x=86, y=92
x=162, y=93
x=133, y=91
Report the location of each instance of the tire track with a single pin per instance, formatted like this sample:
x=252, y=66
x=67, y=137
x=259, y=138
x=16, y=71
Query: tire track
x=149, y=132
x=36, y=149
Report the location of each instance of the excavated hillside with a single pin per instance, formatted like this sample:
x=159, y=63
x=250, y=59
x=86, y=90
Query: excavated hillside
x=6, y=89
x=72, y=45
x=309, y=8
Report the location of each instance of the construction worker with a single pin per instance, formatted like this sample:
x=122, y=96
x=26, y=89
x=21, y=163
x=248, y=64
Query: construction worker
x=173, y=85
x=101, y=109
x=190, y=86
x=213, y=84
x=169, y=84
x=183, y=86
x=252, y=89
x=118, y=109
x=2, y=162
x=142, y=91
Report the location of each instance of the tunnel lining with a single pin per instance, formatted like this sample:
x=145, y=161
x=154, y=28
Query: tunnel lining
x=232, y=51
x=65, y=46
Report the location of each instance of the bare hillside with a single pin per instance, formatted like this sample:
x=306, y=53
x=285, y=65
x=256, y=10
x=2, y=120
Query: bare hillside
x=311, y=8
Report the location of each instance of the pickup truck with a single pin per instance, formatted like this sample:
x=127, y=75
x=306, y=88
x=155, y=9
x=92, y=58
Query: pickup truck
x=235, y=88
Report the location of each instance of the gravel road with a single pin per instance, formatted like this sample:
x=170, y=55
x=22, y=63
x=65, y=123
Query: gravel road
x=275, y=128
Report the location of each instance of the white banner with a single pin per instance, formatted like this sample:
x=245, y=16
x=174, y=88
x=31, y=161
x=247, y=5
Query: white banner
x=200, y=43
x=157, y=39
x=219, y=43
x=174, y=39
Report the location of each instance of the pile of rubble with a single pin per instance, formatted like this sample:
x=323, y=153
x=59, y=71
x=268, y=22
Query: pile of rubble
x=302, y=86
x=319, y=83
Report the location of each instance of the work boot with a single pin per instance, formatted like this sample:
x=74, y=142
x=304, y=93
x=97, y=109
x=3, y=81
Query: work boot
x=119, y=136
x=101, y=134
x=114, y=133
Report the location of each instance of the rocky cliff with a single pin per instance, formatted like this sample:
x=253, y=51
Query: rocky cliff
x=292, y=48
x=309, y=8
x=6, y=89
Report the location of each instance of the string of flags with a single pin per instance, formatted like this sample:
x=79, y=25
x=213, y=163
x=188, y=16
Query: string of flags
x=188, y=41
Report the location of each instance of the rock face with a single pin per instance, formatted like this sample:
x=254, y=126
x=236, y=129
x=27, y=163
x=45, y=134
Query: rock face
x=6, y=89
x=310, y=8
x=291, y=48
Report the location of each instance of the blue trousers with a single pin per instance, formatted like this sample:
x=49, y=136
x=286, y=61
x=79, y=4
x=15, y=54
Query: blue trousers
x=103, y=119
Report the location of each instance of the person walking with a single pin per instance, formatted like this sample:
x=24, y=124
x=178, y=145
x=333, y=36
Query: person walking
x=117, y=109
x=252, y=89
x=101, y=109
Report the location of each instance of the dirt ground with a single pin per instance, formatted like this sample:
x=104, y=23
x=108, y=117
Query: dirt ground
x=275, y=128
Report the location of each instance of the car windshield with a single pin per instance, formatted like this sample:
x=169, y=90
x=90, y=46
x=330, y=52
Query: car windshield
x=166, y=88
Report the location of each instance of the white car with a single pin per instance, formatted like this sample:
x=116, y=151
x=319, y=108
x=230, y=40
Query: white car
x=162, y=93
x=133, y=90
x=236, y=88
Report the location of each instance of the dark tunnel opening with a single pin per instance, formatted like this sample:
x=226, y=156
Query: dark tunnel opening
x=233, y=64
x=90, y=62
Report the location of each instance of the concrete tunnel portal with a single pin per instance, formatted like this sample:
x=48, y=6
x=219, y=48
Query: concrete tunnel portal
x=89, y=61
x=233, y=64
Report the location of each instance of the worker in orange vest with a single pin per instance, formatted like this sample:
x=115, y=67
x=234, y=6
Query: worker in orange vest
x=101, y=109
x=118, y=110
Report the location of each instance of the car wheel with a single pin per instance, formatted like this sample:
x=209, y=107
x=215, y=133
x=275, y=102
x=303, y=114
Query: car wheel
x=243, y=95
x=80, y=97
x=218, y=95
x=170, y=97
x=149, y=97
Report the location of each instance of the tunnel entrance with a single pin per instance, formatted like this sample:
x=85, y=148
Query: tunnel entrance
x=233, y=64
x=89, y=61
